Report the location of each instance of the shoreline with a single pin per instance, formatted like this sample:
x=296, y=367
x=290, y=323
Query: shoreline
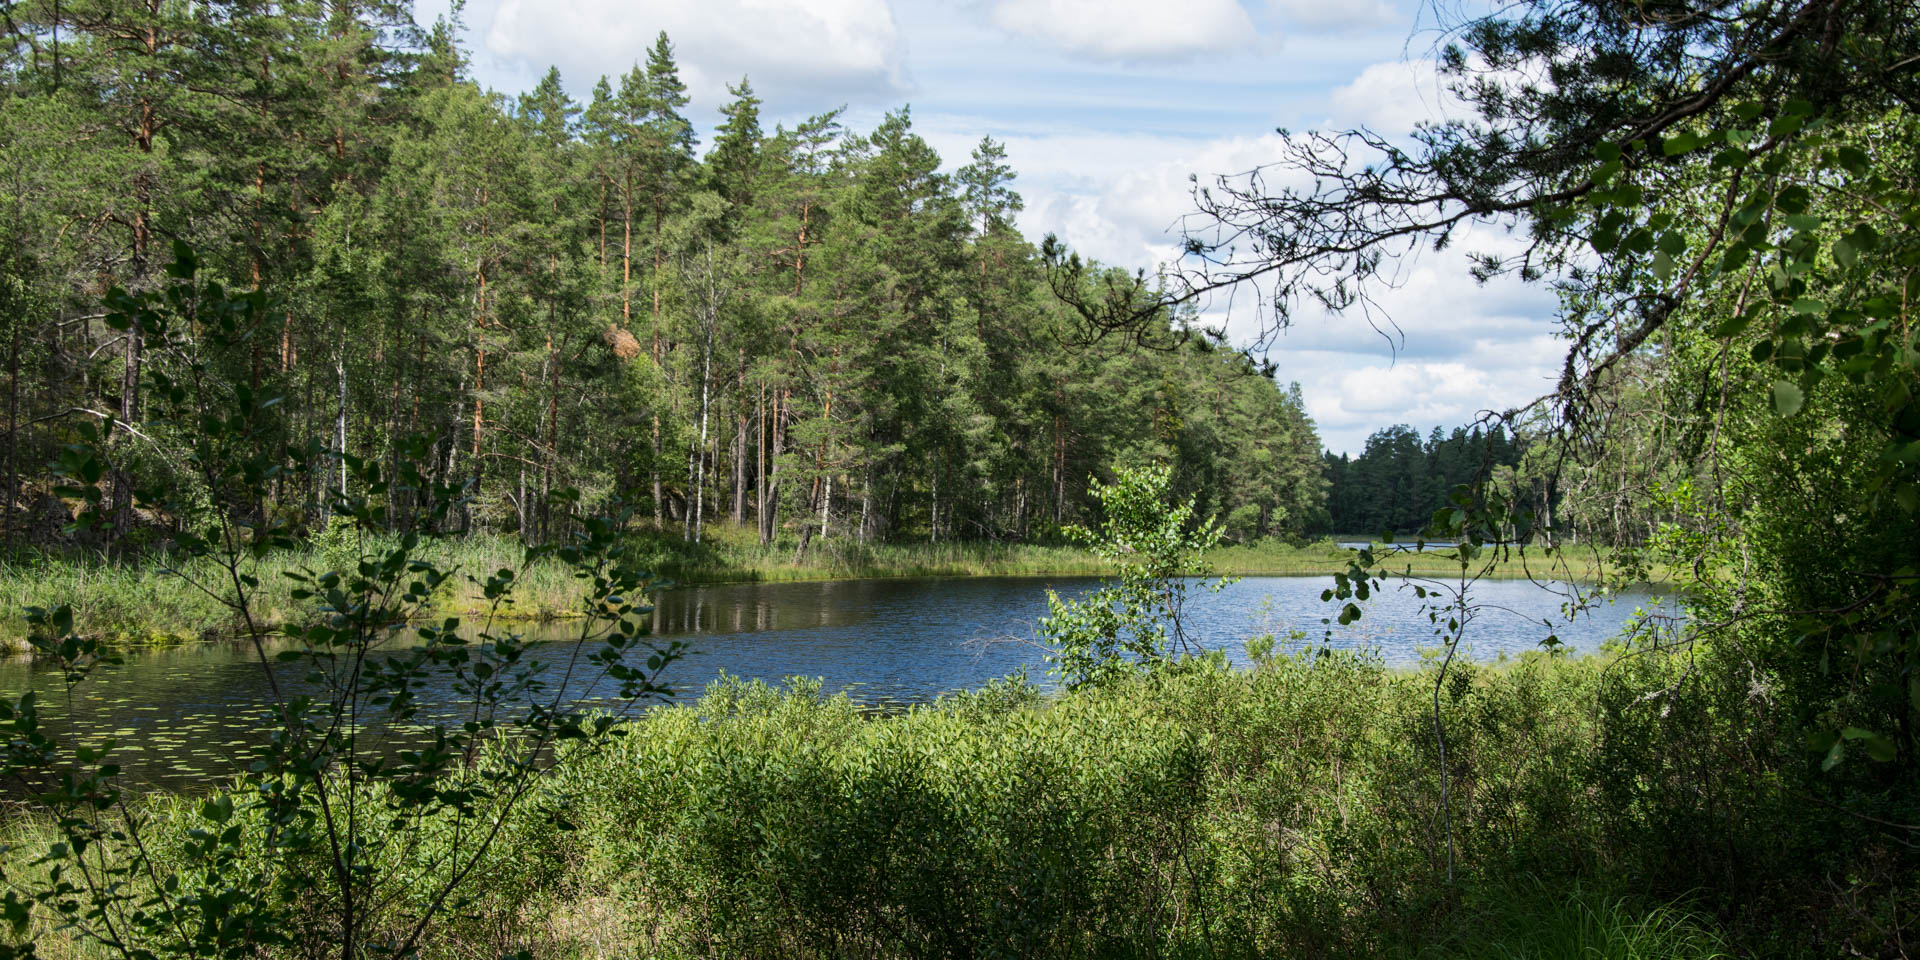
x=143, y=604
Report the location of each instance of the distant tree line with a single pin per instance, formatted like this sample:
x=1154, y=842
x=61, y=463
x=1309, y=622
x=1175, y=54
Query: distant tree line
x=1399, y=480
x=809, y=329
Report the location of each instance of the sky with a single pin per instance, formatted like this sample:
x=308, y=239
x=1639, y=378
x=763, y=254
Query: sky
x=1106, y=108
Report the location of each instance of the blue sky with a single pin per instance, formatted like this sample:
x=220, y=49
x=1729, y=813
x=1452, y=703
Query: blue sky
x=1106, y=107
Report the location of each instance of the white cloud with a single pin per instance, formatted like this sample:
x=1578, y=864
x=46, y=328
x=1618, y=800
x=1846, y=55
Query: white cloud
x=1115, y=197
x=1454, y=349
x=1392, y=98
x=805, y=51
x=1130, y=30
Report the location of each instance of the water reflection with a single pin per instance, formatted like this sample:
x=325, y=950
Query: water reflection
x=187, y=712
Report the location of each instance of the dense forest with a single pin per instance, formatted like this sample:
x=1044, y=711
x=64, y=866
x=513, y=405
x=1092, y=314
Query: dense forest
x=1398, y=480
x=809, y=329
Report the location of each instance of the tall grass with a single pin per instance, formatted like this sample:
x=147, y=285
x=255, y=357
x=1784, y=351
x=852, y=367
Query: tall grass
x=146, y=601
x=1533, y=920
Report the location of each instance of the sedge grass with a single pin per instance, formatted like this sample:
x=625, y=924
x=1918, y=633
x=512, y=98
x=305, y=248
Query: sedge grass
x=154, y=600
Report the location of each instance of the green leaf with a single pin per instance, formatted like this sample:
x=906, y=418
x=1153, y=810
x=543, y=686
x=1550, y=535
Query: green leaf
x=184, y=262
x=1853, y=159
x=1810, y=306
x=1730, y=157
x=1844, y=253
x=1662, y=265
x=1881, y=749
x=1732, y=326
x=1787, y=398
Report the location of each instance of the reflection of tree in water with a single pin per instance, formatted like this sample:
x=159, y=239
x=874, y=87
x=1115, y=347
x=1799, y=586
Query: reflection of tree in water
x=757, y=607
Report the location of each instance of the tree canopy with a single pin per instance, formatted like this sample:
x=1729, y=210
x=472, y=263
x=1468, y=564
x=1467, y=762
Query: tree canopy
x=1723, y=196
x=816, y=330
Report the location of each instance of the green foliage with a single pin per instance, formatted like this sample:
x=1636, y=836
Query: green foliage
x=1725, y=202
x=1132, y=623
x=809, y=328
x=1286, y=810
x=1399, y=479
x=1536, y=922
x=1282, y=811
x=358, y=763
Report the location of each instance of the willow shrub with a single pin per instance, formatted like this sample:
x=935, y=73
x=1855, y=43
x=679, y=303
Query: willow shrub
x=1203, y=811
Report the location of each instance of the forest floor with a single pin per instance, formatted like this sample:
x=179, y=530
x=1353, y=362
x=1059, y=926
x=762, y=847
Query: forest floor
x=155, y=600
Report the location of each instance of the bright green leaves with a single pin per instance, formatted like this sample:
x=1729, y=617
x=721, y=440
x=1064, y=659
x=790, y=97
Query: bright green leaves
x=1131, y=623
x=1845, y=253
x=1679, y=143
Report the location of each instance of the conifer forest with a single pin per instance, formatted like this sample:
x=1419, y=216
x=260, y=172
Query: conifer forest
x=814, y=329
x=1367, y=481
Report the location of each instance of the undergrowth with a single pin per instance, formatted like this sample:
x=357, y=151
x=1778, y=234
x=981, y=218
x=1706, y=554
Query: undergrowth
x=1286, y=810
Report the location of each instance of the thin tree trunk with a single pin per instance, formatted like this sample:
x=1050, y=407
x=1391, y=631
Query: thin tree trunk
x=800, y=248
x=700, y=485
x=771, y=524
x=826, y=506
x=626, y=253
x=553, y=443
x=866, y=504
x=340, y=417
x=760, y=462
x=1020, y=507
x=659, y=221
x=740, y=444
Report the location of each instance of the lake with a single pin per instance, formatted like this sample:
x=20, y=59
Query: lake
x=184, y=713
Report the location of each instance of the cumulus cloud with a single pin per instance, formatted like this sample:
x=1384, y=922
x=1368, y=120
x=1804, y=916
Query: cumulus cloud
x=1129, y=30
x=1392, y=98
x=1448, y=349
x=806, y=51
x=1117, y=198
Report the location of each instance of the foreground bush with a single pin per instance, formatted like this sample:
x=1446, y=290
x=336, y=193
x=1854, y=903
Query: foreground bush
x=1602, y=807
x=1287, y=811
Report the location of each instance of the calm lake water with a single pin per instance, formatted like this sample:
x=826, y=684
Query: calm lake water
x=187, y=712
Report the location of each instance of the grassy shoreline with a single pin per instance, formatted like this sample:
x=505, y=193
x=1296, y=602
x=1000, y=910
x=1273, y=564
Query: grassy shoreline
x=148, y=602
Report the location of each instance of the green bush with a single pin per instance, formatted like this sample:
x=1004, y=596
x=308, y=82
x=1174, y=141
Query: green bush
x=1620, y=805
x=1203, y=813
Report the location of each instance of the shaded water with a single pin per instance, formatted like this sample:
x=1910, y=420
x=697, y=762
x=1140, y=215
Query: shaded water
x=186, y=713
